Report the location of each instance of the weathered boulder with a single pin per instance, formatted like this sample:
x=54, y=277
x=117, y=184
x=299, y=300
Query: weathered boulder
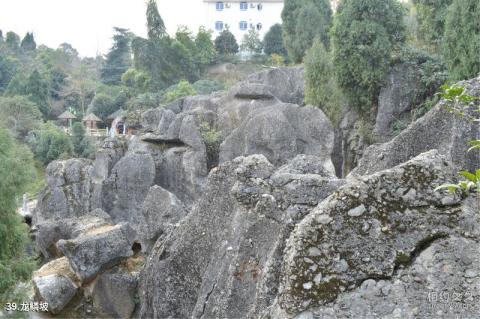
x=223, y=258
x=438, y=129
x=280, y=132
x=286, y=84
x=160, y=212
x=125, y=189
x=113, y=294
x=68, y=192
x=252, y=91
x=398, y=96
x=56, y=284
x=98, y=249
x=48, y=233
x=369, y=229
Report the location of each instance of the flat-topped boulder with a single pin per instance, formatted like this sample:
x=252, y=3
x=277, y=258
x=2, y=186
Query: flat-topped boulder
x=98, y=249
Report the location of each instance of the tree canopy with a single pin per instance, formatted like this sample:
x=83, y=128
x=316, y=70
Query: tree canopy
x=303, y=21
x=364, y=36
x=273, y=41
x=118, y=60
x=226, y=43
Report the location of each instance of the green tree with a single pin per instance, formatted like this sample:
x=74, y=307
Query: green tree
x=16, y=171
x=103, y=105
x=462, y=39
x=12, y=41
x=303, y=21
x=8, y=68
x=251, y=42
x=50, y=143
x=1, y=37
x=38, y=90
x=19, y=115
x=226, y=43
x=431, y=16
x=321, y=86
x=182, y=89
x=118, y=60
x=204, y=48
x=155, y=25
x=365, y=35
x=138, y=81
x=28, y=42
x=273, y=41
x=83, y=146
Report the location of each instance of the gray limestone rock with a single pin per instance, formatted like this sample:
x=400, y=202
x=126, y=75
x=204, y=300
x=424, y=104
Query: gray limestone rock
x=113, y=294
x=56, y=284
x=160, y=213
x=373, y=230
x=98, y=249
x=48, y=233
x=223, y=258
x=438, y=129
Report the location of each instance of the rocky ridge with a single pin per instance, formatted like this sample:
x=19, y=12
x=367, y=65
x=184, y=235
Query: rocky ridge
x=255, y=224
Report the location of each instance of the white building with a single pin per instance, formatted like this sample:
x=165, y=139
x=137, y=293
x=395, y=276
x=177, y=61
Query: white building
x=240, y=16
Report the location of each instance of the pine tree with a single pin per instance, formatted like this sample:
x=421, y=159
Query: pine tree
x=273, y=41
x=118, y=60
x=28, y=42
x=303, y=21
x=364, y=36
x=155, y=25
x=12, y=41
x=462, y=39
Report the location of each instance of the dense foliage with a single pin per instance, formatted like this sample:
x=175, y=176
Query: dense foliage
x=431, y=15
x=50, y=143
x=251, y=42
x=303, y=22
x=83, y=146
x=365, y=34
x=226, y=43
x=462, y=39
x=273, y=41
x=16, y=171
x=19, y=115
x=118, y=60
x=321, y=87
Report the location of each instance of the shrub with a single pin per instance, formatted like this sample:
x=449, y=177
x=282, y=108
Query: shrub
x=212, y=139
x=182, y=89
x=50, y=143
x=321, y=87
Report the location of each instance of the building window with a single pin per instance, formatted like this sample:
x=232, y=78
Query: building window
x=243, y=25
x=220, y=6
x=260, y=7
x=219, y=25
x=259, y=26
x=243, y=6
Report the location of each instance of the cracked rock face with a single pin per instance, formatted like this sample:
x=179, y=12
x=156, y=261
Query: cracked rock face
x=98, y=249
x=223, y=258
x=369, y=230
x=438, y=129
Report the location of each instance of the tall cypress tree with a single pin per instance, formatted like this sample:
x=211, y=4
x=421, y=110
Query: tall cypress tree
x=155, y=25
x=364, y=36
x=118, y=60
x=28, y=42
x=462, y=39
x=38, y=91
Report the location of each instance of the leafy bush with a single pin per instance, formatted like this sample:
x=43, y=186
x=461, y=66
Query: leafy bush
x=83, y=145
x=50, y=143
x=182, y=89
x=208, y=86
x=212, y=139
x=16, y=171
x=19, y=115
x=226, y=43
x=321, y=87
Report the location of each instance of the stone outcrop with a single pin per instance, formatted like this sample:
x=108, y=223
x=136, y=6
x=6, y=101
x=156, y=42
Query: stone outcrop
x=56, y=284
x=438, y=129
x=98, y=249
x=227, y=257
x=222, y=260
